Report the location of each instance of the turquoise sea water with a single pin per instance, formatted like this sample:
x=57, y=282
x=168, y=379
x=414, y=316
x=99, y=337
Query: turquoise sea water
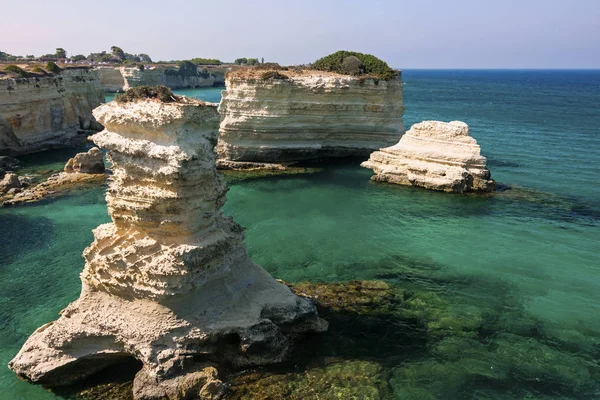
x=516, y=274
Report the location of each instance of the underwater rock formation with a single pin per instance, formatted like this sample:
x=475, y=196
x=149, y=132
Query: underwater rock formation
x=286, y=116
x=39, y=113
x=434, y=155
x=91, y=162
x=169, y=280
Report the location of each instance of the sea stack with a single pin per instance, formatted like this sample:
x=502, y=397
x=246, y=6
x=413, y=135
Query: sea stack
x=279, y=115
x=169, y=281
x=435, y=155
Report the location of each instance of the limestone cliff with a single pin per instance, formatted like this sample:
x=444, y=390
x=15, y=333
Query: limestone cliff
x=40, y=113
x=300, y=115
x=434, y=155
x=169, y=281
x=117, y=79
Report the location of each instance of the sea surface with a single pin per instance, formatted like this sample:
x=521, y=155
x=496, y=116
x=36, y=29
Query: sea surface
x=510, y=282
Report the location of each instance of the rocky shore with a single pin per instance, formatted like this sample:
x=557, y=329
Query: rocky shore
x=38, y=113
x=169, y=282
x=283, y=116
x=434, y=155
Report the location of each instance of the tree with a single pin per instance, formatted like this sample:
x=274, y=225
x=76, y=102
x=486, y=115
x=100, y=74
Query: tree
x=145, y=58
x=241, y=61
x=78, y=57
x=60, y=53
x=252, y=61
x=118, y=52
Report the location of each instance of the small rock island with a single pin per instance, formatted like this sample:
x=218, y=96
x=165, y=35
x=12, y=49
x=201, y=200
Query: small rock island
x=169, y=281
x=434, y=155
x=345, y=104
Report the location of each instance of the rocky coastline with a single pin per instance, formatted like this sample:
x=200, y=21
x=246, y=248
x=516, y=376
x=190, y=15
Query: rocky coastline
x=39, y=113
x=119, y=79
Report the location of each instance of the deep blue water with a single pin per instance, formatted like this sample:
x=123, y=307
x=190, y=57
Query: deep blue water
x=511, y=281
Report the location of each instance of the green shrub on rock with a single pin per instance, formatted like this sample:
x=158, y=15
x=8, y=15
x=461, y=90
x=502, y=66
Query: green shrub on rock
x=52, y=67
x=161, y=93
x=272, y=75
x=16, y=70
x=341, y=61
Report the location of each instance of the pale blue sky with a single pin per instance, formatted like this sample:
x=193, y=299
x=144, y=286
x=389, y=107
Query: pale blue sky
x=407, y=34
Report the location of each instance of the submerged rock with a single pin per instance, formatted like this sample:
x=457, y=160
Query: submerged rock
x=287, y=116
x=91, y=162
x=434, y=155
x=169, y=281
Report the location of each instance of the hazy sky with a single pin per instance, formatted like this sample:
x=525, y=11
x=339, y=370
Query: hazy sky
x=406, y=34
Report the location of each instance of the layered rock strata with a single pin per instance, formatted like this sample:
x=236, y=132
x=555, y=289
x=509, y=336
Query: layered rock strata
x=41, y=113
x=117, y=79
x=302, y=115
x=434, y=155
x=169, y=280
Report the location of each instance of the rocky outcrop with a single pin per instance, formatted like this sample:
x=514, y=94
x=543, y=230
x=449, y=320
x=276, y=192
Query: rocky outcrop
x=434, y=155
x=8, y=182
x=111, y=79
x=301, y=115
x=169, y=281
x=41, y=113
x=91, y=162
x=118, y=79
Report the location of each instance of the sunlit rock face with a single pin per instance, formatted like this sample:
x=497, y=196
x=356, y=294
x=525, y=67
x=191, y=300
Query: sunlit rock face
x=169, y=280
x=41, y=113
x=434, y=155
x=306, y=115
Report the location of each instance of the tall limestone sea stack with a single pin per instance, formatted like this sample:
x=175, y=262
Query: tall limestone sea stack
x=46, y=110
x=169, y=280
x=283, y=115
x=434, y=155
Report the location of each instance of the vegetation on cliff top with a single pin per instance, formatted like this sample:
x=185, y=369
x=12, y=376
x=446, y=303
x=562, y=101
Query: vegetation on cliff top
x=161, y=93
x=16, y=70
x=353, y=63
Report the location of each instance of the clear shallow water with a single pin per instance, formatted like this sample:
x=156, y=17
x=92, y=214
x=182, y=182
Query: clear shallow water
x=520, y=268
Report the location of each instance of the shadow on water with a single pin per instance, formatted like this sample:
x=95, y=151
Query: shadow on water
x=19, y=233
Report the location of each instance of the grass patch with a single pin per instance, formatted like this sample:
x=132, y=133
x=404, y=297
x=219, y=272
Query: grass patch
x=268, y=75
x=13, y=69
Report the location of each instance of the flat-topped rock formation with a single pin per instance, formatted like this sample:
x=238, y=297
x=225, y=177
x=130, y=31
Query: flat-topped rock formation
x=169, y=280
x=285, y=116
x=39, y=113
x=434, y=155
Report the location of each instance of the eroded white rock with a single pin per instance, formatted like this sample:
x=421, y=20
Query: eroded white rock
x=434, y=155
x=169, y=280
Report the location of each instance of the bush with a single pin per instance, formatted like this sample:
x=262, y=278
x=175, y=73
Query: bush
x=52, y=67
x=161, y=93
x=141, y=67
x=272, y=75
x=371, y=65
x=38, y=70
x=206, y=61
x=353, y=66
x=16, y=70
